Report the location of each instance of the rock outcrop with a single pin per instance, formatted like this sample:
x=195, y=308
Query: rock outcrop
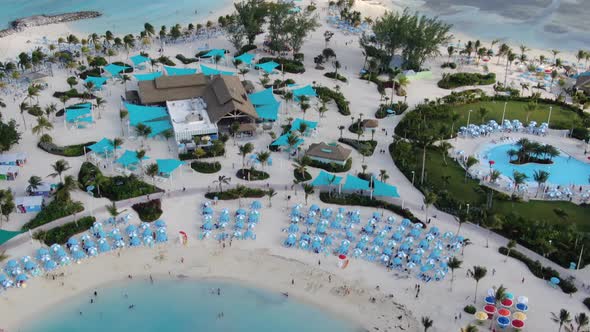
x=38, y=20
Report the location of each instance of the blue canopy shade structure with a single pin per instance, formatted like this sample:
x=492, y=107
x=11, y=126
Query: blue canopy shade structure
x=211, y=71
x=139, y=59
x=7, y=235
x=307, y=90
x=78, y=115
x=158, y=127
x=283, y=141
x=114, y=69
x=140, y=114
x=148, y=77
x=214, y=52
x=172, y=71
x=268, y=112
x=268, y=67
x=97, y=81
x=354, y=183
x=264, y=97
x=167, y=166
x=245, y=58
x=297, y=124
x=128, y=158
x=326, y=179
x=102, y=146
x=384, y=189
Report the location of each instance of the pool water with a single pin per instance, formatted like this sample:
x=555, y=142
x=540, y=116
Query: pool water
x=186, y=305
x=565, y=170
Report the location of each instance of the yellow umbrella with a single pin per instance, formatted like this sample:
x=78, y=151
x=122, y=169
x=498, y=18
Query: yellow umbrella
x=480, y=315
x=519, y=315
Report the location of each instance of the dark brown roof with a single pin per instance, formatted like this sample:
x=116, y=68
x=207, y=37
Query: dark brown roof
x=245, y=127
x=583, y=82
x=170, y=88
x=325, y=151
x=225, y=94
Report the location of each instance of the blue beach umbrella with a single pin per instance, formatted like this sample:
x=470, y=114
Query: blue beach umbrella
x=424, y=244
x=290, y=241
x=11, y=264
x=356, y=253
x=30, y=266
x=379, y=241
x=256, y=205
x=404, y=247
x=397, y=236
x=335, y=224
x=293, y=228
x=388, y=252
x=104, y=246
x=49, y=265
x=207, y=226
x=73, y=241
x=350, y=235
x=397, y=261
x=21, y=278
x=327, y=213
x=89, y=244
x=131, y=230
x=406, y=222
x=78, y=255
x=119, y=243
x=92, y=252
x=249, y=234
x=160, y=223
x=135, y=241
x=145, y=233
x=328, y=240
x=321, y=229
x=434, y=231
x=416, y=259
x=42, y=254
x=161, y=235
x=207, y=210
x=241, y=211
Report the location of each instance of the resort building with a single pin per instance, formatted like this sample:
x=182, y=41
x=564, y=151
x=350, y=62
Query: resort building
x=328, y=153
x=583, y=82
x=28, y=204
x=13, y=159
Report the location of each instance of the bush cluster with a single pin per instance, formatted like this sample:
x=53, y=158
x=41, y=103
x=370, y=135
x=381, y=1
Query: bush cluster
x=61, y=234
x=332, y=167
x=451, y=65
x=54, y=210
x=337, y=97
x=365, y=148
x=398, y=108
x=252, y=174
x=73, y=93
x=470, y=309
x=95, y=72
x=148, y=211
x=587, y=302
x=288, y=65
x=246, y=48
x=336, y=76
x=465, y=79
x=297, y=175
x=76, y=150
x=235, y=193
x=206, y=167
x=186, y=60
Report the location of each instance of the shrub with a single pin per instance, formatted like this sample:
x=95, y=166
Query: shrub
x=73, y=93
x=61, y=234
x=114, y=188
x=148, y=211
x=337, y=97
x=540, y=271
x=398, y=108
x=470, y=309
x=54, y=210
x=360, y=145
x=35, y=111
x=46, y=138
x=186, y=60
x=246, y=48
x=587, y=302
x=76, y=150
x=465, y=79
x=299, y=57
x=297, y=175
x=206, y=167
x=360, y=200
x=336, y=76
x=251, y=174
x=288, y=65
x=332, y=167
x=451, y=65
x=235, y=193
x=91, y=72
x=209, y=152
x=581, y=133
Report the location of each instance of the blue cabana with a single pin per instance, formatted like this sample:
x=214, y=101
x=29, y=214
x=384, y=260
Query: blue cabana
x=114, y=69
x=97, y=81
x=384, y=189
x=263, y=97
x=211, y=71
x=158, y=127
x=297, y=124
x=268, y=112
x=102, y=146
x=140, y=114
x=214, y=53
x=172, y=71
x=148, y=77
x=245, y=58
x=167, y=166
x=354, y=183
x=268, y=67
x=139, y=59
x=307, y=90
x=78, y=115
x=128, y=158
x=325, y=179
x=283, y=141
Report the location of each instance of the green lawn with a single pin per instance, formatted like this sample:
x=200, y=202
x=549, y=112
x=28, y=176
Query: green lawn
x=560, y=117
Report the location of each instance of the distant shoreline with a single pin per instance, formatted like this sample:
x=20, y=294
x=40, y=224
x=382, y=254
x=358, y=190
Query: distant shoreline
x=39, y=20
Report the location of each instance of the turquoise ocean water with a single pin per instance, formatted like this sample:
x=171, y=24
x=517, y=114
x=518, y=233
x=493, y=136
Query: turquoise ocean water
x=185, y=305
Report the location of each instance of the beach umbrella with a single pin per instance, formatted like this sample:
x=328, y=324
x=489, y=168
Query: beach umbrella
x=161, y=235
x=160, y=223
x=99, y=234
x=256, y=205
x=434, y=231
x=423, y=244
x=114, y=233
x=429, y=237
x=146, y=233
x=309, y=220
x=241, y=211
x=426, y=268
x=131, y=230
x=416, y=259
x=554, y=281
x=103, y=245
x=249, y=234
x=507, y=303
x=519, y=315
x=384, y=259
x=503, y=321
x=522, y=299
x=85, y=237
x=503, y=312
x=72, y=241
x=4, y=281
x=78, y=255
x=397, y=236
x=30, y=266
x=135, y=241
x=148, y=241
x=390, y=220
x=397, y=261
x=335, y=224
x=290, y=241
x=356, y=253
x=207, y=226
x=490, y=300
x=49, y=265
x=207, y=210
x=448, y=235
x=321, y=229
x=119, y=243
x=314, y=207
x=509, y=296
x=21, y=278
x=410, y=265
x=11, y=264
x=92, y=252
x=388, y=251
x=419, y=251
x=368, y=228
x=328, y=240
x=522, y=307
x=406, y=222
x=518, y=324
x=415, y=232
x=404, y=247
x=239, y=225
x=401, y=254
x=43, y=254
x=481, y=316
x=379, y=241
x=489, y=309
x=293, y=228
x=89, y=244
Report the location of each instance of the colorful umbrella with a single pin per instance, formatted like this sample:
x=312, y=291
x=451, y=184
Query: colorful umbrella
x=507, y=303
x=519, y=316
x=481, y=316
x=517, y=324
x=503, y=321
x=504, y=312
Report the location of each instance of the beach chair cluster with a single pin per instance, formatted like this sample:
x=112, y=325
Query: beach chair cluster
x=237, y=226
x=336, y=22
x=507, y=126
x=402, y=246
x=504, y=312
x=96, y=241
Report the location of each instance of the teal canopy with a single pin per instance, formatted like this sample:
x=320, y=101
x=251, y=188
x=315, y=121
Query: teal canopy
x=307, y=90
x=97, y=81
x=283, y=141
x=214, y=53
x=148, y=77
x=128, y=158
x=211, y=71
x=167, y=166
x=245, y=58
x=140, y=114
x=7, y=235
x=172, y=71
x=78, y=115
x=268, y=66
x=139, y=59
x=101, y=146
x=114, y=69
x=297, y=124
x=326, y=179
x=384, y=189
x=354, y=183
x=264, y=97
x=158, y=127
x=268, y=112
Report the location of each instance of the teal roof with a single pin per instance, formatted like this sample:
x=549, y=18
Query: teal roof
x=128, y=158
x=245, y=58
x=263, y=97
x=140, y=114
x=283, y=141
x=78, y=115
x=268, y=66
x=7, y=235
x=114, y=69
x=324, y=179
x=97, y=81
x=148, y=77
x=268, y=112
x=384, y=189
x=102, y=145
x=172, y=71
x=214, y=52
x=307, y=90
x=168, y=166
x=211, y=71
x=297, y=124
x=158, y=127
x=354, y=183
x=139, y=59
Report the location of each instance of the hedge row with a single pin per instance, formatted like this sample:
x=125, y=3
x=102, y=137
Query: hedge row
x=336, y=76
x=337, y=97
x=398, y=108
x=465, y=79
x=206, y=167
x=53, y=211
x=540, y=271
x=148, y=211
x=73, y=93
x=332, y=167
x=235, y=193
x=250, y=174
x=62, y=233
x=186, y=60
x=369, y=145
x=297, y=175
x=65, y=151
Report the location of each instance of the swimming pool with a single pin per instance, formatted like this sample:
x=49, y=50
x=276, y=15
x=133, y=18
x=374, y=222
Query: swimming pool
x=564, y=170
x=186, y=305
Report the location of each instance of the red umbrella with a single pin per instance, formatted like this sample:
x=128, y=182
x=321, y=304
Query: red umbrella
x=507, y=303
x=489, y=309
x=504, y=312
x=517, y=324
x=492, y=162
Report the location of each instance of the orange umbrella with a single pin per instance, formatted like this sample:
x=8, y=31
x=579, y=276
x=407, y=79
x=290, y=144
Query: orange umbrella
x=504, y=312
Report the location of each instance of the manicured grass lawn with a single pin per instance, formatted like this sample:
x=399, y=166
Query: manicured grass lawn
x=561, y=118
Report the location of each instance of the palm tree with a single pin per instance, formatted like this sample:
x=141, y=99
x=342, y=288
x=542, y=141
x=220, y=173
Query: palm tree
x=34, y=183
x=444, y=147
x=270, y=193
x=580, y=55
x=562, y=318
x=510, y=57
x=152, y=170
x=427, y=323
x=540, y=177
x=308, y=190
x=140, y=155
x=424, y=142
x=50, y=109
x=509, y=246
x=337, y=66
x=301, y=164
x=530, y=107
x=143, y=130
x=288, y=96
x=263, y=157
x=221, y=180
x=453, y=264
x=42, y=125
x=112, y=210
x=117, y=142
x=59, y=167
x=471, y=161
x=477, y=273
x=244, y=151
x=341, y=128
x=124, y=79
x=383, y=176
x=581, y=320
x=518, y=179
x=23, y=107
x=555, y=53
x=63, y=192
x=149, y=30
x=429, y=199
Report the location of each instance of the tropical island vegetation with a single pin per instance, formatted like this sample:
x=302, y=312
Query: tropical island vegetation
x=532, y=152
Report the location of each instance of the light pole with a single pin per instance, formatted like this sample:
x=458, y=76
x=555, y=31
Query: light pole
x=469, y=117
x=504, y=112
x=549, y=118
x=467, y=208
x=413, y=176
